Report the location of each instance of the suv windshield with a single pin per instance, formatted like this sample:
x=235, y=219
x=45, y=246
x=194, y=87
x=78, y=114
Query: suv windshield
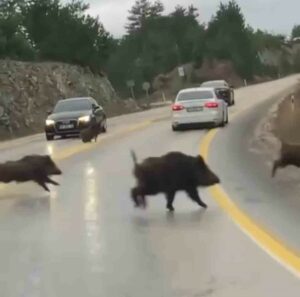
x=72, y=105
x=195, y=95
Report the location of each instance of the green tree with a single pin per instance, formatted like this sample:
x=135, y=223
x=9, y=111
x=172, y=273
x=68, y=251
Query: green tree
x=64, y=32
x=179, y=11
x=157, y=45
x=296, y=31
x=192, y=11
x=140, y=12
x=188, y=34
x=228, y=37
x=264, y=40
x=14, y=41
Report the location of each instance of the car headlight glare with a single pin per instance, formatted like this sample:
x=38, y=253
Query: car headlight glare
x=49, y=122
x=84, y=119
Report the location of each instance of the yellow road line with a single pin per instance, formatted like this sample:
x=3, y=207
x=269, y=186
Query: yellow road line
x=82, y=147
x=273, y=246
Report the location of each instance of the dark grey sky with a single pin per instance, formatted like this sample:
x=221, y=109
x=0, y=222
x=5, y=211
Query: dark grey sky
x=277, y=16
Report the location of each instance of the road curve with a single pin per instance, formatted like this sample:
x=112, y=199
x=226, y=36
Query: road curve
x=272, y=203
x=86, y=239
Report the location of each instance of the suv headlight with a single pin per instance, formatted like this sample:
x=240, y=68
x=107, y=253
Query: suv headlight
x=49, y=122
x=84, y=119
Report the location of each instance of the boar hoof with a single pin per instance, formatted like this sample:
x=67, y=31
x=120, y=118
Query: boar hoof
x=171, y=208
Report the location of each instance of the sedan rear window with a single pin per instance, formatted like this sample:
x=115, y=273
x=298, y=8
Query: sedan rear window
x=195, y=95
x=214, y=84
x=72, y=105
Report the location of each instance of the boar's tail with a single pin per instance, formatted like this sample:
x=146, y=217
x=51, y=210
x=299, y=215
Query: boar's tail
x=134, y=157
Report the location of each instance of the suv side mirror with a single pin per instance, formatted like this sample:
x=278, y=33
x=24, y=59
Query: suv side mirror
x=49, y=112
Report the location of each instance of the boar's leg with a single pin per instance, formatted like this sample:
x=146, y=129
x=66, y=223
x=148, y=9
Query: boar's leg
x=50, y=181
x=170, y=196
x=138, y=197
x=142, y=201
x=43, y=185
x=193, y=193
x=134, y=197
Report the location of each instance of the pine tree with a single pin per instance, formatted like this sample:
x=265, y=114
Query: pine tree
x=296, y=31
x=140, y=12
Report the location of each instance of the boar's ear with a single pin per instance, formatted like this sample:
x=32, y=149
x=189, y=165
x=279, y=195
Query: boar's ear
x=200, y=160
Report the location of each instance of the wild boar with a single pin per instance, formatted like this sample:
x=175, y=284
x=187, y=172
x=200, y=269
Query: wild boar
x=35, y=168
x=168, y=174
x=289, y=155
x=89, y=133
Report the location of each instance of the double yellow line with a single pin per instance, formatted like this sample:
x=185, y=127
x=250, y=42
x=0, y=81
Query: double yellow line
x=273, y=246
x=80, y=148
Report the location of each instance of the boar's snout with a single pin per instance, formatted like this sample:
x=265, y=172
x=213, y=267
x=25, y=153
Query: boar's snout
x=213, y=179
x=52, y=168
x=56, y=171
x=206, y=176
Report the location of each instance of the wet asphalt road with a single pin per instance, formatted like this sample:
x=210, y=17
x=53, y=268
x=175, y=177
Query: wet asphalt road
x=86, y=239
x=273, y=202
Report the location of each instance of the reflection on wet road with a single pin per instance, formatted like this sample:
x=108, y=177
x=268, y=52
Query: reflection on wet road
x=86, y=238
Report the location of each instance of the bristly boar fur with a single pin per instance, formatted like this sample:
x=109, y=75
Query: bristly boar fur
x=289, y=155
x=90, y=133
x=30, y=168
x=168, y=174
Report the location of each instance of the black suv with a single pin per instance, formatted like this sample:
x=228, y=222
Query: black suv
x=71, y=115
x=223, y=90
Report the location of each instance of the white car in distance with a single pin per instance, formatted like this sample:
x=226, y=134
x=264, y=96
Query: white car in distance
x=198, y=106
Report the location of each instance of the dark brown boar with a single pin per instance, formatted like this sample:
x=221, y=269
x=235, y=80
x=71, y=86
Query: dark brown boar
x=30, y=168
x=170, y=173
x=90, y=133
x=289, y=155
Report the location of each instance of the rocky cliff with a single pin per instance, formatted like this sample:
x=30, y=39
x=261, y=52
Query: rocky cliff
x=28, y=90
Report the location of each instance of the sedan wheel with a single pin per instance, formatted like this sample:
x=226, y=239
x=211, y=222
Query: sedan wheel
x=224, y=120
x=227, y=118
x=175, y=128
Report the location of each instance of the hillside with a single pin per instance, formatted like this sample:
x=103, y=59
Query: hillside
x=29, y=90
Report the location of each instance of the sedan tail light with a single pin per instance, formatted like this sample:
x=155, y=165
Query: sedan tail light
x=177, y=107
x=211, y=104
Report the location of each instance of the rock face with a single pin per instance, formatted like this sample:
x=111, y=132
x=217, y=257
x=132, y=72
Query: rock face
x=28, y=90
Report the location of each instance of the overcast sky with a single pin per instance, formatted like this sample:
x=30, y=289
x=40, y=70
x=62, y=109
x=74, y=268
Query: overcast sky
x=277, y=16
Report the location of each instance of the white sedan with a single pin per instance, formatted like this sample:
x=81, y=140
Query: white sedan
x=198, y=106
